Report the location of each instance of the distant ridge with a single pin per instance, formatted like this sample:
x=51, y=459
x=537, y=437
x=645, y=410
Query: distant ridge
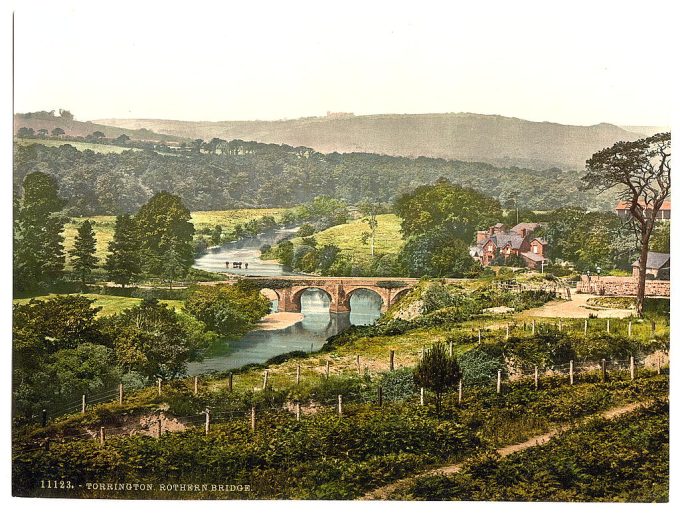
x=498, y=140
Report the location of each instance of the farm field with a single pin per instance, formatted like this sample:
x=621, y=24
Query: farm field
x=110, y=305
x=347, y=237
x=78, y=145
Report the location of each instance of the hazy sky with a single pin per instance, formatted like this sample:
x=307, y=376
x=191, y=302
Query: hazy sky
x=576, y=63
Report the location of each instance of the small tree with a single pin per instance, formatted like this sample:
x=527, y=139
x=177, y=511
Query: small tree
x=641, y=172
x=124, y=262
x=57, y=132
x=83, y=252
x=371, y=211
x=216, y=236
x=437, y=371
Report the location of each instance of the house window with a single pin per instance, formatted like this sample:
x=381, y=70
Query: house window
x=535, y=248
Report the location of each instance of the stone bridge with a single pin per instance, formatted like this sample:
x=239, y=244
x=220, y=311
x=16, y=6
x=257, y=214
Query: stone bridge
x=289, y=289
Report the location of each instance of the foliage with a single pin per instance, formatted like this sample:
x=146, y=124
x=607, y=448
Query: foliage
x=437, y=371
x=229, y=310
x=123, y=263
x=38, y=243
x=83, y=252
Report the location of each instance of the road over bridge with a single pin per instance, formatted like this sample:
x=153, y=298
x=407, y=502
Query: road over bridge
x=289, y=289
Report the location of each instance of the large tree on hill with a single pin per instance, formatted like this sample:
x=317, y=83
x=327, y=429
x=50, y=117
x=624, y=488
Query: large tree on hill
x=83, y=252
x=38, y=240
x=641, y=171
x=123, y=263
x=165, y=231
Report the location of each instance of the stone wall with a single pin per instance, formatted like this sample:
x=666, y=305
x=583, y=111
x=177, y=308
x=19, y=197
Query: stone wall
x=621, y=286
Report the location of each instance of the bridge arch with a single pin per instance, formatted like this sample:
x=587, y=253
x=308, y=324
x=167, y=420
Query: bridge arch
x=273, y=296
x=297, y=292
x=400, y=294
x=351, y=291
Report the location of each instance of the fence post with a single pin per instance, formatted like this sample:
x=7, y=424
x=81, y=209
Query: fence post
x=652, y=326
x=536, y=377
x=159, y=386
x=422, y=396
x=658, y=364
x=328, y=368
x=231, y=381
x=632, y=368
x=252, y=419
x=498, y=382
x=585, y=327
x=392, y=359
x=450, y=347
x=533, y=326
x=422, y=352
x=380, y=396
x=265, y=380
x=507, y=331
x=101, y=436
x=297, y=411
x=207, y=421
x=604, y=370
x=120, y=394
x=160, y=427
x=608, y=331
x=571, y=372
x=297, y=374
x=630, y=328
x=339, y=406
x=44, y=418
x=460, y=391
x=358, y=365
x=82, y=409
x=479, y=336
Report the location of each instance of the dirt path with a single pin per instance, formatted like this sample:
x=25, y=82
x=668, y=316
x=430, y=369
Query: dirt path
x=576, y=308
x=384, y=492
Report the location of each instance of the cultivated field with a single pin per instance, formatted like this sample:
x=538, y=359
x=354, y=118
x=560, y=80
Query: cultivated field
x=80, y=146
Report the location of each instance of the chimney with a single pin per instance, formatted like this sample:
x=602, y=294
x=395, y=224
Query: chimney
x=481, y=236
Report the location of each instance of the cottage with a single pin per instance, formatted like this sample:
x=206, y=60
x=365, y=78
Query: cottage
x=664, y=214
x=658, y=266
x=499, y=241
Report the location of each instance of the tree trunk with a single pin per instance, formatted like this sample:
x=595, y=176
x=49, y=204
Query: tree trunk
x=642, y=275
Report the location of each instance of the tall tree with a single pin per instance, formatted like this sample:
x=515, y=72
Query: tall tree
x=83, y=252
x=123, y=262
x=164, y=224
x=38, y=240
x=370, y=211
x=641, y=172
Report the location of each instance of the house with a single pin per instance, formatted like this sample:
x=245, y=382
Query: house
x=664, y=213
x=658, y=266
x=500, y=241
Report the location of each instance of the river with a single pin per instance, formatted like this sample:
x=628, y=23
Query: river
x=310, y=333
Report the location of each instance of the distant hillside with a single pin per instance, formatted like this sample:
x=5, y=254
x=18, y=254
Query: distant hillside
x=647, y=130
x=74, y=128
x=496, y=140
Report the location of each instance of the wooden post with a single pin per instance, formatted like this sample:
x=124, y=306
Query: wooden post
x=498, y=382
x=422, y=396
x=297, y=411
x=252, y=419
x=559, y=324
x=653, y=326
x=82, y=410
x=195, y=385
x=159, y=386
x=585, y=327
x=630, y=328
x=44, y=418
x=479, y=336
x=632, y=368
x=265, y=380
x=380, y=396
x=571, y=372
x=533, y=326
x=328, y=368
x=507, y=331
x=450, y=347
x=422, y=352
x=392, y=359
x=658, y=364
x=536, y=377
x=297, y=375
x=160, y=427
x=460, y=391
x=207, y=421
x=604, y=370
x=231, y=381
x=339, y=406
x=101, y=436
x=608, y=330
x=120, y=394
x=358, y=365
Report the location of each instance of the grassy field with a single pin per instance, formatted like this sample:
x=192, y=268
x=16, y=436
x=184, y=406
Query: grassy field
x=111, y=305
x=348, y=237
x=203, y=220
x=80, y=146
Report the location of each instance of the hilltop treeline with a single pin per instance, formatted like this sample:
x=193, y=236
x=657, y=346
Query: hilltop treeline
x=267, y=175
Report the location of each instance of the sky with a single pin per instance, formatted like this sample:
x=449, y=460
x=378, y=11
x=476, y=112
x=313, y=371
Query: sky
x=568, y=62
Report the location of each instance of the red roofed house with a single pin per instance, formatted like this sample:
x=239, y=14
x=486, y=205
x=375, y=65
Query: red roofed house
x=664, y=214
x=500, y=241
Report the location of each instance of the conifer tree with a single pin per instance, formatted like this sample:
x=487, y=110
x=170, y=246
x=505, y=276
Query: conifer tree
x=123, y=262
x=83, y=252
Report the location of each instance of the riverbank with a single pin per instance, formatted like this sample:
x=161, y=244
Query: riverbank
x=278, y=321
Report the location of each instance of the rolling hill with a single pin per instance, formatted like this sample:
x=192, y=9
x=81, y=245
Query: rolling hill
x=497, y=140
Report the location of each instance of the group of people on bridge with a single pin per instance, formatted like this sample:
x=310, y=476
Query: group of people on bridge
x=237, y=265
